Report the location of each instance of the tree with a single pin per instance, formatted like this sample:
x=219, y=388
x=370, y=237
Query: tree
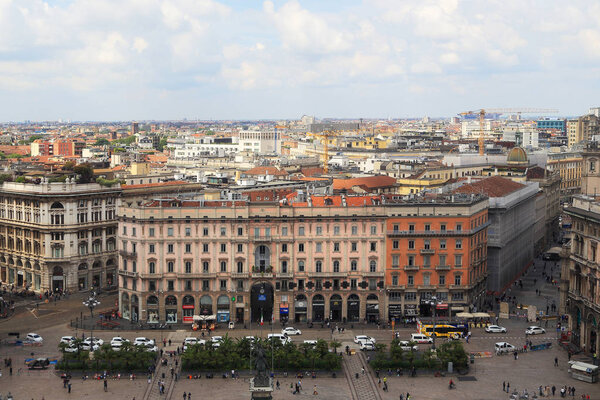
x=21, y=179
x=102, y=142
x=161, y=144
x=335, y=345
x=69, y=165
x=85, y=172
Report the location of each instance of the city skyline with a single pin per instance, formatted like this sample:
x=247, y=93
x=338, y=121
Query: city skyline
x=210, y=60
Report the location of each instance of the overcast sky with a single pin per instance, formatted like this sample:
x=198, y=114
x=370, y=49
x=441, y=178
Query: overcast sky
x=245, y=59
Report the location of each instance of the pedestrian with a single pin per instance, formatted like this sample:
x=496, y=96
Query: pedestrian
x=105, y=385
x=169, y=342
x=556, y=361
x=504, y=386
x=184, y=395
x=315, y=390
x=362, y=370
x=189, y=395
x=277, y=384
x=507, y=387
x=69, y=387
x=553, y=390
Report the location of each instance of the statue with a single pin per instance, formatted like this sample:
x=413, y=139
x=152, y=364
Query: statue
x=262, y=378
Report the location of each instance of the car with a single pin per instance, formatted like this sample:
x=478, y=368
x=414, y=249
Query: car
x=406, y=346
x=142, y=340
x=310, y=342
x=283, y=338
x=367, y=345
x=290, y=330
x=495, y=329
x=251, y=339
x=363, y=338
x=535, y=330
x=152, y=347
x=41, y=363
x=67, y=339
x=70, y=348
x=119, y=340
x=34, y=337
x=89, y=347
x=216, y=341
x=116, y=346
x=189, y=341
x=504, y=347
x=420, y=338
x=96, y=341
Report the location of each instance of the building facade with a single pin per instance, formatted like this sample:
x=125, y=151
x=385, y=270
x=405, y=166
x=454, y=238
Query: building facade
x=568, y=165
x=57, y=236
x=305, y=258
x=436, y=247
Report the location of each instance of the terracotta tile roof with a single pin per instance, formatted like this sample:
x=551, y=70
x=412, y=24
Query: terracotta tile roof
x=266, y=171
x=536, y=173
x=311, y=171
x=150, y=185
x=495, y=186
x=369, y=182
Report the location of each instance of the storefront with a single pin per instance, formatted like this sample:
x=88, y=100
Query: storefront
x=171, y=309
x=300, y=308
x=395, y=312
x=318, y=308
x=223, y=309
x=353, y=308
x=188, y=306
x=335, y=308
x=152, y=310
x=284, y=312
x=372, y=308
x=410, y=310
x=239, y=313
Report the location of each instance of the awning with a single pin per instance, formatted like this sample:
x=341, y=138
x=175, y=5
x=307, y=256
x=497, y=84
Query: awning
x=464, y=315
x=584, y=367
x=481, y=315
x=204, y=317
x=458, y=308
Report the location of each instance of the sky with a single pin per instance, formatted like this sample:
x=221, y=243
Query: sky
x=105, y=60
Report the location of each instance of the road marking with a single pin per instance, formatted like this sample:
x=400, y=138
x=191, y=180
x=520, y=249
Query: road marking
x=32, y=311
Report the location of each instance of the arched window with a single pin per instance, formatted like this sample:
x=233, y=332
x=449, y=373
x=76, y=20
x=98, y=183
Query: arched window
x=319, y=266
x=151, y=267
x=373, y=266
x=188, y=267
x=152, y=301
x=336, y=266
x=57, y=205
x=170, y=301
x=353, y=265
x=170, y=266
x=300, y=266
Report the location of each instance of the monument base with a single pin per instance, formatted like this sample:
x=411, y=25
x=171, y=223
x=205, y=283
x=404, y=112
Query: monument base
x=263, y=391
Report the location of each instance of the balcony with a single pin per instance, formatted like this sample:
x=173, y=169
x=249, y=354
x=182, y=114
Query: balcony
x=411, y=267
x=284, y=275
x=376, y=274
x=239, y=274
x=427, y=251
x=129, y=274
x=262, y=238
x=196, y=275
x=127, y=254
x=442, y=268
x=261, y=274
x=458, y=287
x=151, y=276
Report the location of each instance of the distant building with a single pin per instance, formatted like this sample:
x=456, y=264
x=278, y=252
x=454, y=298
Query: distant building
x=57, y=147
x=568, y=165
x=135, y=128
x=552, y=124
x=261, y=142
x=583, y=129
x=333, y=126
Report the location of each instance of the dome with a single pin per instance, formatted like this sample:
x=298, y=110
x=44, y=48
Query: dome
x=516, y=155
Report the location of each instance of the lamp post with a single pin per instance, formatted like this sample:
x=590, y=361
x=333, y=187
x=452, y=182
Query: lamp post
x=91, y=303
x=433, y=302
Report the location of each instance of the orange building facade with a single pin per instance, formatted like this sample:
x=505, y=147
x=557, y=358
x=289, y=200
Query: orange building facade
x=439, y=249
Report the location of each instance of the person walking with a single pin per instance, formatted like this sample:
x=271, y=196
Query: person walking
x=189, y=395
x=553, y=390
x=507, y=387
x=315, y=390
x=184, y=395
x=105, y=385
x=556, y=361
x=69, y=387
x=504, y=386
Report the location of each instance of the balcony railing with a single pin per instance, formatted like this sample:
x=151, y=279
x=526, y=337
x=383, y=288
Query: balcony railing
x=262, y=238
x=261, y=274
x=411, y=267
x=427, y=251
x=442, y=267
x=239, y=274
x=130, y=274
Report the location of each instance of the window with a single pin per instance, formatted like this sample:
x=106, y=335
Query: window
x=134, y=267
x=223, y=247
x=240, y=231
x=443, y=227
x=373, y=246
x=256, y=232
x=394, y=280
x=267, y=232
x=188, y=231
x=426, y=280
x=151, y=232
x=205, y=247
x=336, y=266
x=353, y=265
x=353, y=246
x=459, y=243
x=442, y=259
x=373, y=266
x=223, y=266
x=319, y=266
x=151, y=249
x=426, y=260
x=152, y=268
x=300, y=284
x=188, y=248
x=170, y=266
x=411, y=244
x=395, y=244
x=457, y=279
x=205, y=266
x=301, y=231
x=411, y=260
x=410, y=296
x=336, y=247
x=152, y=286
x=353, y=284
x=354, y=230
x=188, y=267
x=170, y=248
x=284, y=231
x=427, y=227
x=319, y=247
x=336, y=230
x=240, y=267
x=373, y=229
x=170, y=286
x=442, y=243
x=300, y=266
x=204, y=231
x=169, y=231
x=458, y=260
x=223, y=284
x=301, y=247
x=457, y=296
x=458, y=227
x=442, y=279
x=240, y=248
x=284, y=266
x=240, y=287
x=372, y=284
x=427, y=244
x=124, y=230
x=205, y=285
x=592, y=166
x=133, y=231
x=223, y=231
x=319, y=230
x=411, y=227
x=410, y=280
x=284, y=248
x=396, y=227
x=395, y=261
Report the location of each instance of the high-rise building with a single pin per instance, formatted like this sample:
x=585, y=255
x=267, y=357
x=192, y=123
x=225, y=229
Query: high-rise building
x=135, y=128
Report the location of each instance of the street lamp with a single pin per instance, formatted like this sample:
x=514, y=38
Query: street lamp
x=91, y=303
x=433, y=301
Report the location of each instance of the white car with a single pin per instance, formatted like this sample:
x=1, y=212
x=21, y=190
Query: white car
x=495, y=329
x=71, y=349
x=151, y=347
x=405, y=345
x=216, y=341
x=282, y=338
x=67, y=339
x=97, y=341
x=420, y=338
x=363, y=338
x=189, y=341
x=143, y=341
x=88, y=347
x=290, y=330
x=504, y=347
x=251, y=339
x=535, y=330
x=367, y=345
x=116, y=346
x=34, y=337
x=310, y=342
x=118, y=340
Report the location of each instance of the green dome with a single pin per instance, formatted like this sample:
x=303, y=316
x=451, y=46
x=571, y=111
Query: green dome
x=516, y=155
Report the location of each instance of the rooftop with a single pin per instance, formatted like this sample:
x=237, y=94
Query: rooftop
x=495, y=186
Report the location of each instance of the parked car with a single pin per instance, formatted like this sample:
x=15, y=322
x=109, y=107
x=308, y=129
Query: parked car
x=116, y=346
x=406, y=346
x=67, y=339
x=34, y=337
x=420, y=338
x=142, y=341
x=38, y=363
x=90, y=347
x=290, y=330
x=283, y=338
x=71, y=348
x=535, y=330
x=119, y=340
x=310, y=342
x=504, y=347
x=495, y=329
x=363, y=338
x=151, y=347
x=96, y=340
x=367, y=345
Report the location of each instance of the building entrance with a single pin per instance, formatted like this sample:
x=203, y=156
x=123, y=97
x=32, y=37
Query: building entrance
x=261, y=302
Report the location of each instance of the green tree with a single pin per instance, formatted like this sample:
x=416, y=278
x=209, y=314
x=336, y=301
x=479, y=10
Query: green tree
x=161, y=144
x=21, y=179
x=69, y=165
x=335, y=345
x=85, y=172
x=102, y=142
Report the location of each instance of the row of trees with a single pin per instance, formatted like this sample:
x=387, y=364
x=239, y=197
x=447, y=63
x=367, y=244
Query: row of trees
x=238, y=354
x=452, y=351
x=129, y=358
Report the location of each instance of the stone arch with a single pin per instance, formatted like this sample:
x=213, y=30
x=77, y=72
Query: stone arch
x=335, y=308
x=125, y=306
x=318, y=308
x=57, y=205
x=353, y=308
x=206, y=305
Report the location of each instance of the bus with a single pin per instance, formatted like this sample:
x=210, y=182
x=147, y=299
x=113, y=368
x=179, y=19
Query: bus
x=443, y=329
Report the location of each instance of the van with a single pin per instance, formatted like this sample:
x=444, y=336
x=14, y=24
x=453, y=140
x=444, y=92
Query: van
x=420, y=338
x=283, y=338
x=504, y=347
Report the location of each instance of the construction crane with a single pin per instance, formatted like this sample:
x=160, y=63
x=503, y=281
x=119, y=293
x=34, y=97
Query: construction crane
x=324, y=136
x=481, y=112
